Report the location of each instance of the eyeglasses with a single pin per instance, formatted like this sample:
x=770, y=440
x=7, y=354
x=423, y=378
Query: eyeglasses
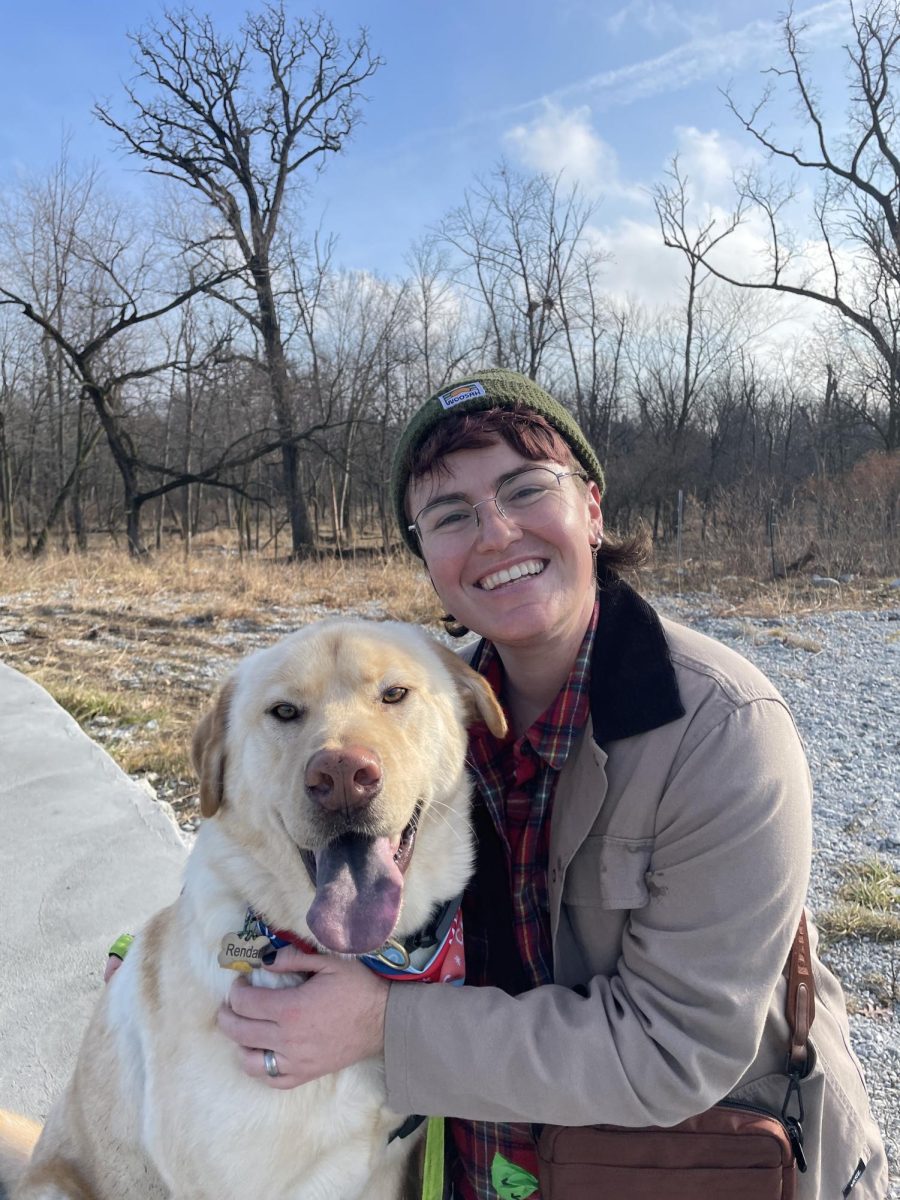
x=530, y=498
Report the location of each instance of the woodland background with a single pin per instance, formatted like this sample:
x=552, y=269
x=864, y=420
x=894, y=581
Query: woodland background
x=202, y=364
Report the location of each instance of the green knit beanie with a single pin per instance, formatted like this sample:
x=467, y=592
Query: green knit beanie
x=493, y=387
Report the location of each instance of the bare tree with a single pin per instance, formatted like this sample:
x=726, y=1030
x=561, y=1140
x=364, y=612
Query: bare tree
x=92, y=287
x=855, y=212
x=235, y=121
x=517, y=238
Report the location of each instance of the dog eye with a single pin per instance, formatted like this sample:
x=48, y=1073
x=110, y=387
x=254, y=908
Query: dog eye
x=286, y=712
x=393, y=695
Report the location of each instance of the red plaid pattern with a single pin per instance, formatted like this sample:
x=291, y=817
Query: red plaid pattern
x=516, y=778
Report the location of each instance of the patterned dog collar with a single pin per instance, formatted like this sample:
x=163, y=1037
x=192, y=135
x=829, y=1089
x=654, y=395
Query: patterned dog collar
x=435, y=954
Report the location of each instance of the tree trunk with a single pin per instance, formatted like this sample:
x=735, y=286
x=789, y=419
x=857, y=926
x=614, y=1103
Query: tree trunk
x=302, y=541
x=6, y=497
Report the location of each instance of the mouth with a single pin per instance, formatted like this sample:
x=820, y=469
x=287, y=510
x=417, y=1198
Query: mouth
x=497, y=579
x=359, y=888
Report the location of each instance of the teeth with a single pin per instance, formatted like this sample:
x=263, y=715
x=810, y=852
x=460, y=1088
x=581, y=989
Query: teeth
x=533, y=567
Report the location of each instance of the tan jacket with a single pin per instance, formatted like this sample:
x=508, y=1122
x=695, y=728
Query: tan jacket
x=679, y=862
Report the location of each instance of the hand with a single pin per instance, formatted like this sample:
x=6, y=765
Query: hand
x=334, y=1019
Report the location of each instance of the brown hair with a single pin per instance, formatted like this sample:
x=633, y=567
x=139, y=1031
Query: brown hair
x=525, y=431
x=530, y=435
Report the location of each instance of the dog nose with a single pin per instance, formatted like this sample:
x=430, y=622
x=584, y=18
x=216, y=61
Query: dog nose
x=343, y=780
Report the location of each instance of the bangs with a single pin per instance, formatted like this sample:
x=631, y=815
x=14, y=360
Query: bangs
x=526, y=432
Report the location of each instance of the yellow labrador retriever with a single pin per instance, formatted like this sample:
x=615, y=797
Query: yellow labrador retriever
x=334, y=787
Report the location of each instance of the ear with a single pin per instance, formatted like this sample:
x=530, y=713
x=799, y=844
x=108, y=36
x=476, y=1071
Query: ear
x=208, y=752
x=476, y=692
x=595, y=515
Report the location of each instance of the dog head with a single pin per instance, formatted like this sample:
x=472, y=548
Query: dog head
x=335, y=759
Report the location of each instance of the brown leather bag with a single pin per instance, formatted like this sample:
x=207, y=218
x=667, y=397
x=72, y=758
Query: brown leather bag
x=729, y=1152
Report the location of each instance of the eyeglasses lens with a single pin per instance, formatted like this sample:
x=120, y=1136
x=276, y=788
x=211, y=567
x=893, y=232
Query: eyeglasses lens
x=530, y=499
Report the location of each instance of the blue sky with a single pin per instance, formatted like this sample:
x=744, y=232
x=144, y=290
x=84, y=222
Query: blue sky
x=604, y=91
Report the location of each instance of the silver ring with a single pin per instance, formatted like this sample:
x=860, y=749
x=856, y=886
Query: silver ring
x=271, y=1063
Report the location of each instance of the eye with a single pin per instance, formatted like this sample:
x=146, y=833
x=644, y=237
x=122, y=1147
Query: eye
x=452, y=516
x=525, y=492
x=286, y=712
x=393, y=695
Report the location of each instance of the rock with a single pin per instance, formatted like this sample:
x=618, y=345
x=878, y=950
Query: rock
x=824, y=581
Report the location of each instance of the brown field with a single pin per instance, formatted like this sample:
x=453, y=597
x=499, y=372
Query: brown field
x=134, y=649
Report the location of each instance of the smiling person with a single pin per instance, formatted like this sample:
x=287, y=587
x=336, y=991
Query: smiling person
x=643, y=848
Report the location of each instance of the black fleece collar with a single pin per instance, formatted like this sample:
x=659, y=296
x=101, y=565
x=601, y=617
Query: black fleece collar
x=633, y=685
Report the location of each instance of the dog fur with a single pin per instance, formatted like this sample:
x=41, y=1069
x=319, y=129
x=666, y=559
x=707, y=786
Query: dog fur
x=158, y=1105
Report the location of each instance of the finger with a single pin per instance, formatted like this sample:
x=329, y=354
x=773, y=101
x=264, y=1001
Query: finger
x=290, y=958
x=258, y=1035
x=257, y=1003
x=253, y=1064
x=112, y=965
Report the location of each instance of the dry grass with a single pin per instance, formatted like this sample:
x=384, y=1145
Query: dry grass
x=742, y=595
x=869, y=904
x=135, y=649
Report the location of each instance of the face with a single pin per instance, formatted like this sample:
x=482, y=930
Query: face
x=555, y=597
x=334, y=763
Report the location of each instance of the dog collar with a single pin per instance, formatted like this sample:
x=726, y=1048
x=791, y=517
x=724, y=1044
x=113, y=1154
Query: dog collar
x=435, y=954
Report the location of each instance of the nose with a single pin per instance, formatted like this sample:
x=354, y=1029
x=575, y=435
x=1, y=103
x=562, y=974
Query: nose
x=494, y=530
x=345, y=780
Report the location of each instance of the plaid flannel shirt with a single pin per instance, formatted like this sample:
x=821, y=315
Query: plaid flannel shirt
x=516, y=779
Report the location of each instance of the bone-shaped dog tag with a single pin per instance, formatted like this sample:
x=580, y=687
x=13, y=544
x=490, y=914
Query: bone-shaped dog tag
x=240, y=952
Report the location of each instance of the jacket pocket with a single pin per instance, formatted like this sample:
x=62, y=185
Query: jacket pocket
x=609, y=872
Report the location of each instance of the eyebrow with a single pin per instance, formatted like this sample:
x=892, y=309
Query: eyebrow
x=450, y=497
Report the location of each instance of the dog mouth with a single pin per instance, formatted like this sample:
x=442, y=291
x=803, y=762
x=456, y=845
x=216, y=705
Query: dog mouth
x=359, y=888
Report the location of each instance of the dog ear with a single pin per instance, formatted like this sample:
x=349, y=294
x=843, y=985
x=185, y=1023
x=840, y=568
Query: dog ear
x=208, y=752
x=478, y=695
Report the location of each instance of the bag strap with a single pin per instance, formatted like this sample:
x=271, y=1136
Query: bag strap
x=800, y=1007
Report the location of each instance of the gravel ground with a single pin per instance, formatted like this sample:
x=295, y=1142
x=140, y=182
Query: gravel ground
x=839, y=672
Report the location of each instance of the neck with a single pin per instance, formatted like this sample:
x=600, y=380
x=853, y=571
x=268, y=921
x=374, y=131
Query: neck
x=535, y=675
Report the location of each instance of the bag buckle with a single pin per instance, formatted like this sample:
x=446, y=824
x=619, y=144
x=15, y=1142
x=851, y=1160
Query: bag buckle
x=794, y=1123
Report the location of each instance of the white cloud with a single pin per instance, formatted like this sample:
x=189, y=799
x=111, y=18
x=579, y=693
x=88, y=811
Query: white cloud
x=709, y=56
x=708, y=160
x=642, y=269
x=658, y=17
x=561, y=140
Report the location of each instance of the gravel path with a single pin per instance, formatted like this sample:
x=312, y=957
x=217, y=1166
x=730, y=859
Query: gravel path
x=840, y=674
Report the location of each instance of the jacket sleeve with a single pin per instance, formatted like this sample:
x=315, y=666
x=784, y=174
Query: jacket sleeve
x=671, y=1031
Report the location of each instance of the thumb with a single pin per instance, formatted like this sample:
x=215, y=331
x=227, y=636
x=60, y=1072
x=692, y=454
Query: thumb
x=291, y=958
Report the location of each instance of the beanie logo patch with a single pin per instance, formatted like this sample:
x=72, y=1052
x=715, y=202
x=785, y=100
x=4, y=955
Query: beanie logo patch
x=467, y=391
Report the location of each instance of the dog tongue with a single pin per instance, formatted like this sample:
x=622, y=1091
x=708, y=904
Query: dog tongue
x=358, y=893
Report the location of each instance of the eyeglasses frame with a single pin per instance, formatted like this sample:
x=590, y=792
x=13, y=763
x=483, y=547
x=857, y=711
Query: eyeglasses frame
x=560, y=476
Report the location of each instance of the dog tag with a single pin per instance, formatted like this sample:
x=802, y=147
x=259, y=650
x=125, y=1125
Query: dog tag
x=241, y=952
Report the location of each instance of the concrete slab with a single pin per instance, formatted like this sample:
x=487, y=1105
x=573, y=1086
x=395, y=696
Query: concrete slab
x=85, y=854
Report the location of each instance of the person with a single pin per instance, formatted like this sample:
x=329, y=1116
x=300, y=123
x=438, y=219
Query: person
x=644, y=841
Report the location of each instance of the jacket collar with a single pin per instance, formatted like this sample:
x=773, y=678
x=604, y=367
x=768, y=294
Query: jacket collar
x=633, y=685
